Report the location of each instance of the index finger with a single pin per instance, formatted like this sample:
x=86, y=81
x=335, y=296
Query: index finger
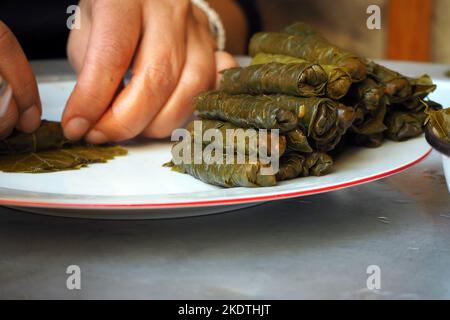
x=112, y=41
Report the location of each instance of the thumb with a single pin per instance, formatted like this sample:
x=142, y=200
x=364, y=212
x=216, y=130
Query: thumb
x=224, y=60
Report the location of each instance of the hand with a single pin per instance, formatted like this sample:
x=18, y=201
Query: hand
x=171, y=51
x=20, y=105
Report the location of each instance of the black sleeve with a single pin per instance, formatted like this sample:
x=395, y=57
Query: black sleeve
x=39, y=25
x=252, y=15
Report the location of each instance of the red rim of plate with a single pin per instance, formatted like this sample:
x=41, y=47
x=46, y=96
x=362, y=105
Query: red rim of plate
x=232, y=201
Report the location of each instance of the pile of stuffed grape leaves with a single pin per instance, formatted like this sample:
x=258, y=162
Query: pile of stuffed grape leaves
x=320, y=98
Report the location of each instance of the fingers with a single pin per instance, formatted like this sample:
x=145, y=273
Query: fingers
x=9, y=114
x=112, y=41
x=16, y=70
x=224, y=61
x=156, y=71
x=196, y=78
x=198, y=75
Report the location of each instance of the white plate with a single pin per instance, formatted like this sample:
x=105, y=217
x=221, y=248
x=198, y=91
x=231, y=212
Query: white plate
x=137, y=186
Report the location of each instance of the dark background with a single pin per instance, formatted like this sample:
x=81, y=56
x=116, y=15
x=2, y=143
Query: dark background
x=39, y=25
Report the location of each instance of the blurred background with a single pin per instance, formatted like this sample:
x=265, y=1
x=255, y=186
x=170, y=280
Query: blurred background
x=416, y=30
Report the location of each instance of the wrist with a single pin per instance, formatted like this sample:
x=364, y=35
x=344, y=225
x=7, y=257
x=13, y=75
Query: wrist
x=235, y=23
x=210, y=17
x=201, y=17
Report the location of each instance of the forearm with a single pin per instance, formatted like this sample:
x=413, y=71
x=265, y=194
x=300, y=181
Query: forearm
x=235, y=23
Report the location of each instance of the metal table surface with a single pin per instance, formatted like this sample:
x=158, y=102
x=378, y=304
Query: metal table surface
x=314, y=247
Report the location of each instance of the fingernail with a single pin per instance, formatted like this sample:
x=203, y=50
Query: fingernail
x=30, y=119
x=96, y=137
x=76, y=128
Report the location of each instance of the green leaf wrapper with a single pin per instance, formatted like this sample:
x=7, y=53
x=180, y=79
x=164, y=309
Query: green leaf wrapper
x=346, y=116
x=339, y=81
x=297, y=141
x=294, y=165
x=226, y=175
x=407, y=120
x=47, y=137
x=402, y=90
x=421, y=88
x=370, y=105
x=397, y=87
x=321, y=50
x=318, y=118
x=47, y=150
x=70, y=158
x=367, y=95
x=247, y=148
x=245, y=111
x=310, y=48
x=298, y=79
x=403, y=125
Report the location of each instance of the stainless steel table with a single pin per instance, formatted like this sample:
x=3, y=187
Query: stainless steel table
x=313, y=247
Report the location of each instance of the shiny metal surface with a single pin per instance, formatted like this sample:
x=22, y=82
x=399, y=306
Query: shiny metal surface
x=314, y=247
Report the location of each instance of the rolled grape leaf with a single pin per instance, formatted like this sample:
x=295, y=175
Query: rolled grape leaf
x=403, y=125
x=71, y=158
x=370, y=105
x=227, y=175
x=318, y=118
x=298, y=79
x=401, y=89
x=263, y=145
x=421, y=87
x=347, y=116
x=321, y=48
x=368, y=123
x=297, y=141
x=397, y=87
x=338, y=83
x=47, y=137
x=294, y=165
x=318, y=164
x=245, y=111
x=368, y=95
x=311, y=48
